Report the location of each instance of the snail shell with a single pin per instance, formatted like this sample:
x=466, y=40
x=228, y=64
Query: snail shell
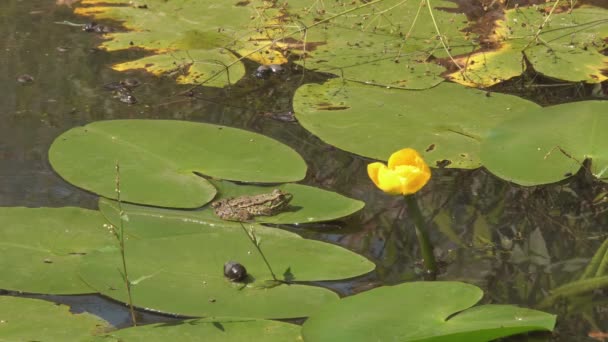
x=264, y=71
x=235, y=271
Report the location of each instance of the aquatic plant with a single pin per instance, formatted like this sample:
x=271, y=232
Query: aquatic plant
x=405, y=174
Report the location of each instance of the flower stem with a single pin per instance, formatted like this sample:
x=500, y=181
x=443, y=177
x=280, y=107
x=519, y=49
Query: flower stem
x=421, y=233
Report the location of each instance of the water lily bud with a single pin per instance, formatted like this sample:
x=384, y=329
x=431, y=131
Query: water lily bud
x=405, y=174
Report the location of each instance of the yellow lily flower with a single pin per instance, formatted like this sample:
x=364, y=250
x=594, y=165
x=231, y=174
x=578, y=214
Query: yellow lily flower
x=405, y=174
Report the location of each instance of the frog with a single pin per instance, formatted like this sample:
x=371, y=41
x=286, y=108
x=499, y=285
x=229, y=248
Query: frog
x=245, y=208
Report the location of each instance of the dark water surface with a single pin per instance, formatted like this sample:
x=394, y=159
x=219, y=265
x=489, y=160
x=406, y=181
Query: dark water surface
x=515, y=243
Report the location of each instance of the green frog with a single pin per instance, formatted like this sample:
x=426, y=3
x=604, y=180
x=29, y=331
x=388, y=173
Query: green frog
x=245, y=208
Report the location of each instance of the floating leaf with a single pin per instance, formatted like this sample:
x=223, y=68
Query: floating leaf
x=568, y=47
x=404, y=44
x=308, y=204
x=448, y=122
x=192, y=39
x=546, y=145
x=25, y=319
x=391, y=43
x=160, y=172
x=213, y=329
x=183, y=274
x=421, y=311
x=40, y=249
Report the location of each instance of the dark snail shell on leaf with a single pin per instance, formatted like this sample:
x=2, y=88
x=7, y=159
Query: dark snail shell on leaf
x=265, y=71
x=235, y=271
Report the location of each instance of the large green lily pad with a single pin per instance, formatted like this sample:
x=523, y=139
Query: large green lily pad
x=421, y=311
x=25, y=319
x=40, y=249
x=569, y=47
x=160, y=172
x=308, y=204
x=183, y=274
x=549, y=144
x=212, y=329
x=446, y=123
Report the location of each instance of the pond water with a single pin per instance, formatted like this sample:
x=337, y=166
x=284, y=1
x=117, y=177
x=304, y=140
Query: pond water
x=515, y=243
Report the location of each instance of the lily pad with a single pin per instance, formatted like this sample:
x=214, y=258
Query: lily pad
x=160, y=172
x=40, y=249
x=308, y=204
x=183, y=274
x=213, y=329
x=192, y=40
x=568, y=47
x=196, y=42
x=421, y=311
x=25, y=319
x=446, y=123
x=390, y=43
x=549, y=144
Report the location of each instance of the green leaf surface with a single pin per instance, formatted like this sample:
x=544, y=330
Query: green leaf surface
x=390, y=43
x=192, y=40
x=160, y=172
x=447, y=122
x=40, y=249
x=183, y=274
x=193, y=66
x=209, y=329
x=546, y=145
x=421, y=311
x=568, y=47
x=25, y=319
x=308, y=204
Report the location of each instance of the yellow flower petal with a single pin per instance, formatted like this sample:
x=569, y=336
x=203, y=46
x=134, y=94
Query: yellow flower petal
x=406, y=156
x=372, y=171
x=405, y=174
x=389, y=181
x=416, y=179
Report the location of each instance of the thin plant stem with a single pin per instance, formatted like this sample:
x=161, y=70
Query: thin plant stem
x=443, y=43
x=253, y=238
x=542, y=26
x=421, y=233
x=121, y=241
